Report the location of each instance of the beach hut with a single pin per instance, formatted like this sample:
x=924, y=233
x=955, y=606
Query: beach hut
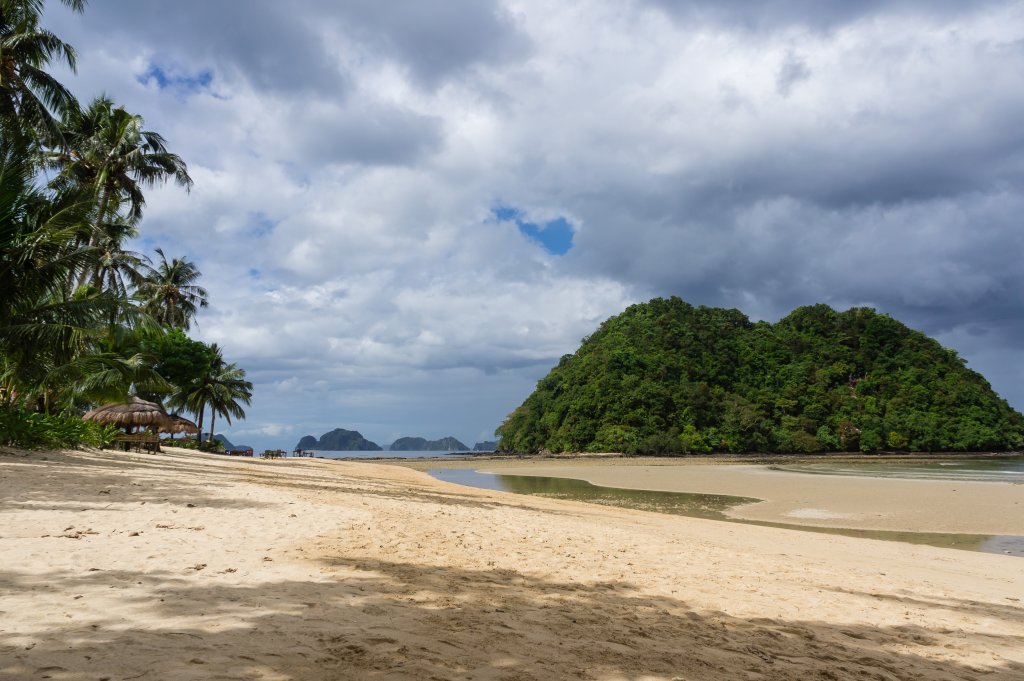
x=132, y=414
x=179, y=424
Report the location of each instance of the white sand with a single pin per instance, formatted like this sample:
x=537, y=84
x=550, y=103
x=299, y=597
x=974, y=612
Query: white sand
x=994, y=508
x=189, y=566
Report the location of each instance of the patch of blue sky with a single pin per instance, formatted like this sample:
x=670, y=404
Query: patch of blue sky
x=506, y=213
x=260, y=224
x=174, y=79
x=554, y=236
x=145, y=243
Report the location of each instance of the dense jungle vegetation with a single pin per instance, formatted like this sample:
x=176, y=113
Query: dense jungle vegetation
x=85, y=320
x=665, y=377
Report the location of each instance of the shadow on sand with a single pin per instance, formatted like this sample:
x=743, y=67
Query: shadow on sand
x=363, y=617
x=371, y=619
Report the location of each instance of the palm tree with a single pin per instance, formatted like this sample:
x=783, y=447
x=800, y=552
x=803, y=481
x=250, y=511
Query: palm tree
x=230, y=387
x=221, y=387
x=117, y=270
x=168, y=291
x=47, y=333
x=27, y=92
x=106, y=148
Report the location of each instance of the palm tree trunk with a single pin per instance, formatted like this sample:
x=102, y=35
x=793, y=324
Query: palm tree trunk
x=94, y=238
x=199, y=435
x=104, y=202
x=213, y=417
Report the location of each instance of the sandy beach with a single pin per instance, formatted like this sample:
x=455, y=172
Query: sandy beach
x=816, y=500
x=189, y=566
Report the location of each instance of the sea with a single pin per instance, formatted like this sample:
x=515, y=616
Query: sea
x=386, y=454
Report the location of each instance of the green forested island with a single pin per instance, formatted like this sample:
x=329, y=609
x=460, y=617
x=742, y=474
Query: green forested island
x=339, y=440
x=419, y=444
x=667, y=377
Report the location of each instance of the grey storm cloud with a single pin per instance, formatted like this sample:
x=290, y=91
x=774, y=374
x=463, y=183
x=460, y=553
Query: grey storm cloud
x=290, y=46
x=270, y=44
x=794, y=70
x=436, y=40
x=815, y=14
x=375, y=135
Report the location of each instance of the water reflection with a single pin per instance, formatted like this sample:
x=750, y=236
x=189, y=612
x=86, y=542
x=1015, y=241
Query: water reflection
x=709, y=506
x=994, y=469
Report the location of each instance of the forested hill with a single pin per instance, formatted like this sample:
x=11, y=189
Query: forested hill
x=666, y=377
x=339, y=440
x=419, y=444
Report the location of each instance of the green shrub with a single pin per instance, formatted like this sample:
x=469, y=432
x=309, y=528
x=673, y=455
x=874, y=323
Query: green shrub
x=190, y=443
x=661, y=443
x=870, y=441
x=897, y=441
x=34, y=430
x=691, y=441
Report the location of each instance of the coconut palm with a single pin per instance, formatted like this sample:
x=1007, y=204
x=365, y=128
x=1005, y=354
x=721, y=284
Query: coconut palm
x=117, y=270
x=106, y=148
x=221, y=388
x=230, y=388
x=27, y=92
x=47, y=331
x=37, y=251
x=168, y=291
x=98, y=376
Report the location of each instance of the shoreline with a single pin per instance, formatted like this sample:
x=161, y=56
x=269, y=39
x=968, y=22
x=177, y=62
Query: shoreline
x=798, y=498
x=717, y=458
x=186, y=565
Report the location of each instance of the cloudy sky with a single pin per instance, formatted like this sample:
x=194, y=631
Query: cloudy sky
x=406, y=211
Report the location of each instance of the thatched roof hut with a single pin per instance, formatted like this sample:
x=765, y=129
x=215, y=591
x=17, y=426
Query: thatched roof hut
x=135, y=412
x=179, y=424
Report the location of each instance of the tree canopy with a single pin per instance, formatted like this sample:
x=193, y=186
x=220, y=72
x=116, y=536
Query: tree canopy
x=668, y=377
x=83, y=319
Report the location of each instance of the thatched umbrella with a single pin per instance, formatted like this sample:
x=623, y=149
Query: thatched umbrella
x=135, y=412
x=179, y=424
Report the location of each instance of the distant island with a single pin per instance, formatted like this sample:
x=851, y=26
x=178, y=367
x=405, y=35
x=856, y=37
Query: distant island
x=666, y=377
x=419, y=444
x=339, y=440
x=485, y=446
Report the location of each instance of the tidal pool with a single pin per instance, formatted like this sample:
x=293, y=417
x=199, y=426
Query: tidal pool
x=709, y=506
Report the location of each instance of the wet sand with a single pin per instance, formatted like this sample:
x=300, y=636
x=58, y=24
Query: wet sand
x=189, y=566
x=960, y=507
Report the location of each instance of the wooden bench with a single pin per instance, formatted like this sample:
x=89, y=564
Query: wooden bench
x=149, y=442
